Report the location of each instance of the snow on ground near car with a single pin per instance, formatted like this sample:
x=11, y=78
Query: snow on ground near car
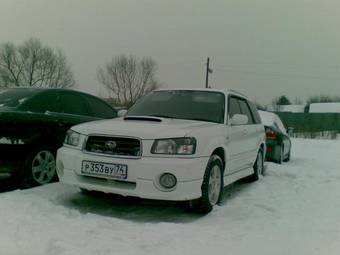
x=294, y=209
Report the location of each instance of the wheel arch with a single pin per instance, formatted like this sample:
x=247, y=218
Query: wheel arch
x=220, y=151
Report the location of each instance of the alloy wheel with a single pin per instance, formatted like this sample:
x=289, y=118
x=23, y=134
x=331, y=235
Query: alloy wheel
x=214, y=188
x=43, y=167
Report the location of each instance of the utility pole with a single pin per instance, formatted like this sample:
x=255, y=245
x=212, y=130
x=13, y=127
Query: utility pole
x=207, y=74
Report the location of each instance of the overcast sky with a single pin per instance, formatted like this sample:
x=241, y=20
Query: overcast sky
x=264, y=48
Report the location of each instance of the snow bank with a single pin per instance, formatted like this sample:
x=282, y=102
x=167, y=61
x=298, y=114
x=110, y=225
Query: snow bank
x=294, y=209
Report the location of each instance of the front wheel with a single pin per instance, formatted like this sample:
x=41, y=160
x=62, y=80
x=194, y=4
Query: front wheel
x=40, y=168
x=212, y=186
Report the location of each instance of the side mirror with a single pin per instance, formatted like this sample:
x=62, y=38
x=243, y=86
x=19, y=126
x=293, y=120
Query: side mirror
x=239, y=119
x=122, y=113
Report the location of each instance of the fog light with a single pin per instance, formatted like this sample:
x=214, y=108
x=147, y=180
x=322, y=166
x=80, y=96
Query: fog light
x=168, y=180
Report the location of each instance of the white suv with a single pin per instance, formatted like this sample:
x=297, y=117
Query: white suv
x=178, y=145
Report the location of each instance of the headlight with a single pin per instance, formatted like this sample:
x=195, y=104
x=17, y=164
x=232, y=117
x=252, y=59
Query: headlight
x=72, y=138
x=179, y=146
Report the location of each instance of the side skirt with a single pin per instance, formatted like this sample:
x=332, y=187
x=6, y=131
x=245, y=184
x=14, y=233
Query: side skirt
x=228, y=179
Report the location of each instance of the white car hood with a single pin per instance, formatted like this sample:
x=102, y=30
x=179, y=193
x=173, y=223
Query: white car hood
x=143, y=129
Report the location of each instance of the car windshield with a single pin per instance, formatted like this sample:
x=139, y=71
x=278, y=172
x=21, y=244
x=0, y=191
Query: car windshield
x=182, y=104
x=12, y=98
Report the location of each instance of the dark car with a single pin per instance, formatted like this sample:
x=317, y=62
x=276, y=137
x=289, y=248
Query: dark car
x=277, y=139
x=33, y=125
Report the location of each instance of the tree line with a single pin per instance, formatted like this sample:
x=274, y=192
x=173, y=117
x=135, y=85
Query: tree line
x=33, y=64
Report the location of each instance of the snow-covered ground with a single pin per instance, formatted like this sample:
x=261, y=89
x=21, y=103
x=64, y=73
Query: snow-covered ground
x=294, y=209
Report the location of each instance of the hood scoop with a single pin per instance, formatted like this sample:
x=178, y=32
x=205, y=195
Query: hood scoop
x=143, y=118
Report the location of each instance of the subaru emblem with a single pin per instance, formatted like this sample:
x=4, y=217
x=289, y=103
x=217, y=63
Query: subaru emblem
x=110, y=145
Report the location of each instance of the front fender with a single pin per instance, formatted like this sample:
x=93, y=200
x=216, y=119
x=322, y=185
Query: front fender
x=206, y=148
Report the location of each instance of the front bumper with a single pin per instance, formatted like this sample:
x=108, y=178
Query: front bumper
x=143, y=175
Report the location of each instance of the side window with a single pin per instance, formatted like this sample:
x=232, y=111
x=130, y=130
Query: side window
x=42, y=102
x=73, y=104
x=246, y=111
x=255, y=113
x=234, y=107
x=100, y=109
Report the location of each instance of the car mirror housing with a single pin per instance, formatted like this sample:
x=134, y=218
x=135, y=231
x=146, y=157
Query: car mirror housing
x=122, y=113
x=239, y=119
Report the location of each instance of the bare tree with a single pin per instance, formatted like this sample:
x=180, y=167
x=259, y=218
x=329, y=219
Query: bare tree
x=128, y=78
x=34, y=65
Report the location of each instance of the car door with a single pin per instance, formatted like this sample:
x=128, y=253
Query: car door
x=237, y=137
x=251, y=134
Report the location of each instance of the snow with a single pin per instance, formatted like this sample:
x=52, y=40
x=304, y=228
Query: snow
x=294, y=209
x=287, y=108
x=324, y=108
x=272, y=120
x=292, y=108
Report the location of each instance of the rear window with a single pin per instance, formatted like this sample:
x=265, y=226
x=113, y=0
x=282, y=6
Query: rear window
x=73, y=104
x=100, y=109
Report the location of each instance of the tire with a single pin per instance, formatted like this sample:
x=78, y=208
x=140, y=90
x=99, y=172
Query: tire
x=212, y=186
x=39, y=167
x=288, y=157
x=281, y=156
x=258, y=168
x=87, y=192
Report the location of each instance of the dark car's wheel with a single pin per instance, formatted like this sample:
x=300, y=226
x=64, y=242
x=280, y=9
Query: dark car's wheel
x=287, y=158
x=40, y=168
x=212, y=186
x=280, y=156
x=258, y=168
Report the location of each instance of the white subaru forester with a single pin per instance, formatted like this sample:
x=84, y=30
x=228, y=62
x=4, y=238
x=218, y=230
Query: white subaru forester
x=180, y=145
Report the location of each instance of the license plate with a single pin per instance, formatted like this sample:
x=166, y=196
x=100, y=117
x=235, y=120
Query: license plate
x=97, y=169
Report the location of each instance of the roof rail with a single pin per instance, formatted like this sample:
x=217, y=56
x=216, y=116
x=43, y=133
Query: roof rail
x=232, y=90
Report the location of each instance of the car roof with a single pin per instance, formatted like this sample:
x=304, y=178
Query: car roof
x=224, y=90
x=271, y=119
x=34, y=90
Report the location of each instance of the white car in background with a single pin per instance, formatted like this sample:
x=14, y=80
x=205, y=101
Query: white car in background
x=179, y=145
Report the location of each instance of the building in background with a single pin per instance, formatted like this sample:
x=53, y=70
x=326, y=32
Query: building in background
x=287, y=108
x=324, y=108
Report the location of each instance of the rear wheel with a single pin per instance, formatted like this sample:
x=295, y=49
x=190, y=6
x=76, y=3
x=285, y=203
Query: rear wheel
x=212, y=186
x=40, y=168
x=288, y=157
x=258, y=167
x=281, y=155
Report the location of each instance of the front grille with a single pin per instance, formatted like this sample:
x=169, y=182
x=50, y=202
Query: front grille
x=115, y=146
